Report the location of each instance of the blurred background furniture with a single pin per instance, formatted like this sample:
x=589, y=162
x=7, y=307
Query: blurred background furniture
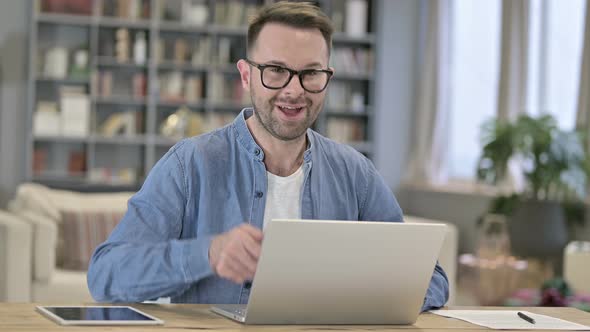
x=47, y=237
x=576, y=266
x=448, y=253
x=34, y=257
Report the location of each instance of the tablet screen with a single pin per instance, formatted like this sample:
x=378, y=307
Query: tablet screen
x=98, y=315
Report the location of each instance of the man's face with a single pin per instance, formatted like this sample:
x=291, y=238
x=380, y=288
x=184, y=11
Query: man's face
x=285, y=113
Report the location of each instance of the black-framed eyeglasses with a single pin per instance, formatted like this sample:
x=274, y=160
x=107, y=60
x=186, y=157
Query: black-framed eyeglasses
x=277, y=77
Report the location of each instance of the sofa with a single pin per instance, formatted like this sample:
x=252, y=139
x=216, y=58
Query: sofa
x=38, y=262
x=34, y=260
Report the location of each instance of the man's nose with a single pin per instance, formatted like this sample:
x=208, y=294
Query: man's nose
x=294, y=87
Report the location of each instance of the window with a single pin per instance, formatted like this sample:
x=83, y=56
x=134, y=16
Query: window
x=475, y=67
x=554, y=63
x=560, y=38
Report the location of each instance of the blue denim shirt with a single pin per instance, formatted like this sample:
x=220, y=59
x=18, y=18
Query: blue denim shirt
x=209, y=184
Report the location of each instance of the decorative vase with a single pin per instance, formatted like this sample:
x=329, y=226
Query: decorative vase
x=538, y=230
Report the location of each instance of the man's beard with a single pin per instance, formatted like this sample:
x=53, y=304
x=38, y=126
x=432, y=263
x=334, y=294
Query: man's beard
x=264, y=115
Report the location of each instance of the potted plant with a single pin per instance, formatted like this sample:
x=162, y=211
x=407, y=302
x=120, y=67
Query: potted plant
x=554, y=166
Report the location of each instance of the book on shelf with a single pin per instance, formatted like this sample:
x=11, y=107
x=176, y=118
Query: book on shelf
x=75, y=112
x=216, y=88
x=345, y=130
x=193, y=89
x=201, y=51
x=139, y=85
x=56, y=63
x=235, y=10
x=105, y=83
x=180, y=50
x=220, y=12
x=46, y=120
x=113, y=176
x=77, y=162
x=39, y=160
x=122, y=45
x=223, y=51
x=127, y=9
x=348, y=60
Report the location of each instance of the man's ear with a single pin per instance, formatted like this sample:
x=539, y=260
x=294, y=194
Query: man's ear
x=244, y=69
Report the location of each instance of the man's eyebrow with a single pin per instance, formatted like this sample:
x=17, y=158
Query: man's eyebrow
x=280, y=63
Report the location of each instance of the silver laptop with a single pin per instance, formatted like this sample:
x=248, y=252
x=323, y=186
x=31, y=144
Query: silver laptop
x=340, y=272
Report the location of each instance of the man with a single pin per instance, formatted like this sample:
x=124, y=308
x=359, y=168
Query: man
x=194, y=230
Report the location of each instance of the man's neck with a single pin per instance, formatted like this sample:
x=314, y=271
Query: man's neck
x=281, y=158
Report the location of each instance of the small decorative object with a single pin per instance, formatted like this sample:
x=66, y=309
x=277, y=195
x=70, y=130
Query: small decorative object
x=176, y=124
x=120, y=123
x=172, y=86
x=122, y=45
x=139, y=48
x=493, y=238
x=195, y=12
x=356, y=17
x=357, y=102
x=80, y=68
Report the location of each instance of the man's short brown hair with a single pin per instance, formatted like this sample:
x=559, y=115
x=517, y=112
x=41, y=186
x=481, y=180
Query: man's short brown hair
x=303, y=15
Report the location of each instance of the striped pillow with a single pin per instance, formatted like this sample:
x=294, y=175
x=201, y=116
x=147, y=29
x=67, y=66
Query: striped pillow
x=82, y=232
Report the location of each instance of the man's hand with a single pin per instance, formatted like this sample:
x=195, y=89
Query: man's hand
x=234, y=254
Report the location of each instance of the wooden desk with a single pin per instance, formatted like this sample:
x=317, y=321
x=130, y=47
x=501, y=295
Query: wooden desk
x=22, y=317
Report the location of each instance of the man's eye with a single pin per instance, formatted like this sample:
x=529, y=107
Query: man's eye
x=277, y=70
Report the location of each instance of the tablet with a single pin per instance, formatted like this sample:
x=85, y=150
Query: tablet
x=98, y=315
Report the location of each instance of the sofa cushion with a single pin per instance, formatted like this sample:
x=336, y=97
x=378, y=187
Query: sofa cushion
x=44, y=244
x=39, y=200
x=82, y=232
x=49, y=202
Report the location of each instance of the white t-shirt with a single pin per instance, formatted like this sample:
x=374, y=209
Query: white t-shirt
x=283, y=196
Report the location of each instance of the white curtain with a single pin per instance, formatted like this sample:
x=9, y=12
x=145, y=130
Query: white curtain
x=428, y=158
x=583, y=115
x=512, y=90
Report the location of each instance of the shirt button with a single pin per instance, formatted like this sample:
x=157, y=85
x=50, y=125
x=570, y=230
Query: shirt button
x=259, y=194
x=257, y=152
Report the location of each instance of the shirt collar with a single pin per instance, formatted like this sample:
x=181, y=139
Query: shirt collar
x=246, y=139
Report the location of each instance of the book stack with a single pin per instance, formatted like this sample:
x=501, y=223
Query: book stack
x=356, y=61
x=75, y=112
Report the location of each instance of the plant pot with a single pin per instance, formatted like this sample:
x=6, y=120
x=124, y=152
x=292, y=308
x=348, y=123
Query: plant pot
x=538, y=229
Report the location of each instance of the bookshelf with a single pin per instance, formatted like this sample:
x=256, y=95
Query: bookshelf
x=102, y=107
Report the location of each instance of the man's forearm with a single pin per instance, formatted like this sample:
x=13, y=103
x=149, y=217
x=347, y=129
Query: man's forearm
x=438, y=290
x=130, y=272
